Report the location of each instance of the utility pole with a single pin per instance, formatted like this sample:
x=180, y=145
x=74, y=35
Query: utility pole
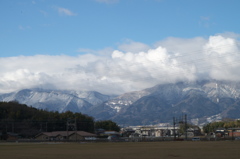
x=76, y=128
x=186, y=127
x=41, y=126
x=232, y=134
x=174, y=123
x=12, y=127
x=73, y=126
x=67, y=130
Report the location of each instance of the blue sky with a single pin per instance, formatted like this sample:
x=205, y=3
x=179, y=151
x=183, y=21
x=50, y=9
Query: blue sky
x=116, y=46
x=30, y=27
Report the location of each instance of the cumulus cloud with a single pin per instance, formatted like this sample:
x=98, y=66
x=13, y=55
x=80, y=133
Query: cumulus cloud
x=224, y=56
x=105, y=52
x=128, y=68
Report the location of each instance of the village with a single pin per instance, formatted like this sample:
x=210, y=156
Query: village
x=161, y=132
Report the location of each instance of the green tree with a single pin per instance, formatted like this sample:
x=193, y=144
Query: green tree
x=29, y=121
x=107, y=125
x=211, y=127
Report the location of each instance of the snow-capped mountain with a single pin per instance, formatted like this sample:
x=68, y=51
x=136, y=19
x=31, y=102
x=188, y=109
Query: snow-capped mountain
x=203, y=101
x=56, y=100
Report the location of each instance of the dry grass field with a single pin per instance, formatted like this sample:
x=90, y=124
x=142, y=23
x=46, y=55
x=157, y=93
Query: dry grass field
x=136, y=150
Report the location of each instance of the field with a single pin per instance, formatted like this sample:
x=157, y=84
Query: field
x=124, y=150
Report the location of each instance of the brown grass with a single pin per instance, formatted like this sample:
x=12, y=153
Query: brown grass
x=140, y=150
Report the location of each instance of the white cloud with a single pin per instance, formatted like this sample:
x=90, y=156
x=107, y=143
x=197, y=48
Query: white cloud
x=64, y=11
x=105, y=52
x=224, y=56
x=132, y=46
x=230, y=35
x=170, y=60
x=126, y=46
x=180, y=45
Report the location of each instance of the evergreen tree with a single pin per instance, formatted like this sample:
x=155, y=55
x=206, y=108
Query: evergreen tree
x=107, y=125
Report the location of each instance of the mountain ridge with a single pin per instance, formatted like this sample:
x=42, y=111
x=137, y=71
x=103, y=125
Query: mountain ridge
x=210, y=98
x=57, y=100
x=202, y=101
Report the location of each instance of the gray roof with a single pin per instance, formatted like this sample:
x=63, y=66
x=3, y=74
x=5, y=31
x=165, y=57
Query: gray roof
x=67, y=133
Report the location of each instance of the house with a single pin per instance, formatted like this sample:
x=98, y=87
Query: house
x=57, y=135
x=12, y=136
x=194, y=131
x=234, y=132
x=151, y=131
x=64, y=135
x=99, y=132
x=9, y=136
x=80, y=135
x=104, y=134
x=126, y=132
x=156, y=131
x=221, y=132
x=110, y=133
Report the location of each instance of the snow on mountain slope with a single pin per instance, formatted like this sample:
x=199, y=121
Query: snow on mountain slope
x=55, y=100
x=201, y=100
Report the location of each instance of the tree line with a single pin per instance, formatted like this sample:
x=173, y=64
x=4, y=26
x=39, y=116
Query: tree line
x=28, y=121
x=211, y=127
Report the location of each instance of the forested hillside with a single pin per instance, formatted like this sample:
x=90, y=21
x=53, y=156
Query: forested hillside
x=28, y=121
